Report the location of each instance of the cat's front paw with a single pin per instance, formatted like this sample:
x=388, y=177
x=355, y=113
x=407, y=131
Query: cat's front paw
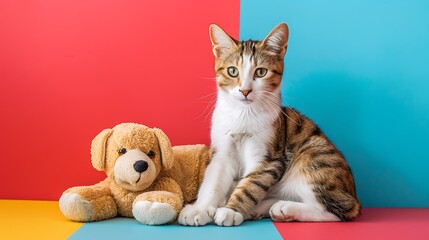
x=76, y=208
x=153, y=213
x=228, y=217
x=192, y=215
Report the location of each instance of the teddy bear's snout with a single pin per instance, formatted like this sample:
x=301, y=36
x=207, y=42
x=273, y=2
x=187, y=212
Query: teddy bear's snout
x=134, y=170
x=140, y=166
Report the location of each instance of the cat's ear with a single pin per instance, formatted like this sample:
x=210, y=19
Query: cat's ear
x=221, y=41
x=276, y=41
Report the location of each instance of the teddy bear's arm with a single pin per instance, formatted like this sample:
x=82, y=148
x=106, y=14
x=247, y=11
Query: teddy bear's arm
x=161, y=205
x=88, y=203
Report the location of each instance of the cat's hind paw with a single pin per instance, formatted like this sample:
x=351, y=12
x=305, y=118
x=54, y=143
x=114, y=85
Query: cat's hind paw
x=282, y=211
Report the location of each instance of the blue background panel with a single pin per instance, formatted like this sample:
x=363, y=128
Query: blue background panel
x=359, y=69
x=128, y=229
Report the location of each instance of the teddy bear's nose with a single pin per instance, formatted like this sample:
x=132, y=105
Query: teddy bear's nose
x=140, y=166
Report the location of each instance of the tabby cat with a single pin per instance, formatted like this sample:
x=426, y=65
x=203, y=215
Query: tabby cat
x=268, y=160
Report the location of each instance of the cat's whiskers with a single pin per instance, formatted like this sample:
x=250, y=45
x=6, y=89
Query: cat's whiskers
x=296, y=114
x=266, y=104
x=271, y=105
x=284, y=113
x=211, y=110
x=274, y=99
x=209, y=104
x=205, y=96
x=208, y=78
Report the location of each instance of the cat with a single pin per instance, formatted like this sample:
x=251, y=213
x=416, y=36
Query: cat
x=268, y=160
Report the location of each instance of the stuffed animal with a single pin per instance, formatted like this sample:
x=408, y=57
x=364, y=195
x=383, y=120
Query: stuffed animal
x=146, y=177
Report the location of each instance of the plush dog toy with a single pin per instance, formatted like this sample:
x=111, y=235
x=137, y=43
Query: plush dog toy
x=146, y=177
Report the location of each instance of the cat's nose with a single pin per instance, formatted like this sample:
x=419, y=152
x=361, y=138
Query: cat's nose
x=245, y=92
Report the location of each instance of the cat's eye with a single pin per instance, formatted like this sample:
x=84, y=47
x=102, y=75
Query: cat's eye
x=122, y=151
x=260, y=72
x=233, y=72
x=151, y=154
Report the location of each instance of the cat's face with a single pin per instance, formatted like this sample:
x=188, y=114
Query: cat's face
x=248, y=72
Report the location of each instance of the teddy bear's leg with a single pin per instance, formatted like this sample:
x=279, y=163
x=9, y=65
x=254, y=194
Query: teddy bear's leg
x=159, y=207
x=88, y=203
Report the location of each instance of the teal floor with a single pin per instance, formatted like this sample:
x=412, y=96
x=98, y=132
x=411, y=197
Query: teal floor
x=127, y=229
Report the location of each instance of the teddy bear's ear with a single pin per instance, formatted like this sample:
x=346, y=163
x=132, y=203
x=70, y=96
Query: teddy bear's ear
x=167, y=156
x=98, y=149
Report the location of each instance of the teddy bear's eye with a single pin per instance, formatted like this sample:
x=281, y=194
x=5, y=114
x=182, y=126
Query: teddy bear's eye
x=122, y=151
x=151, y=154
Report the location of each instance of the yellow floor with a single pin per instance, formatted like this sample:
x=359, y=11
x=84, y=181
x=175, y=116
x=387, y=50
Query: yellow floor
x=21, y=219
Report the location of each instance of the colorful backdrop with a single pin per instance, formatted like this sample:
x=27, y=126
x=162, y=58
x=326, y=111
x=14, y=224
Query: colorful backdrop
x=69, y=69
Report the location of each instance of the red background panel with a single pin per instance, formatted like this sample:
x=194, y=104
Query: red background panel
x=69, y=69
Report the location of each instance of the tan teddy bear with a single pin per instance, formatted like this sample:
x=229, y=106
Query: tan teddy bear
x=146, y=177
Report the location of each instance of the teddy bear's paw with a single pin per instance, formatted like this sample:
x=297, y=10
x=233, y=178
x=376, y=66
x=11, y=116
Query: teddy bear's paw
x=153, y=213
x=194, y=216
x=227, y=217
x=75, y=208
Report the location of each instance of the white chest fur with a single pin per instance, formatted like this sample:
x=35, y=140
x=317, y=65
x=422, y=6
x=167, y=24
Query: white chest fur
x=242, y=132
